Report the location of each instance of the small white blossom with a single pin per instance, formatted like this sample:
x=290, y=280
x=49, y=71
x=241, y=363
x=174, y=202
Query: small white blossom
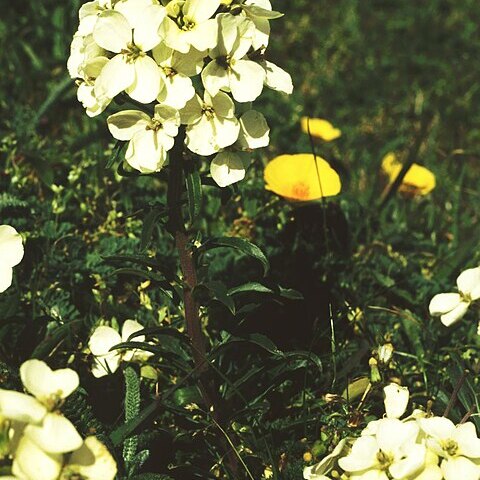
x=11, y=254
x=130, y=38
x=227, y=168
x=104, y=338
x=254, y=131
x=451, y=307
x=190, y=24
x=396, y=400
x=211, y=123
x=149, y=138
x=230, y=69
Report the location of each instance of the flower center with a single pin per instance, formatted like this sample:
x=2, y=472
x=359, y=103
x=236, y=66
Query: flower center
x=225, y=61
x=132, y=52
x=450, y=447
x=466, y=297
x=154, y=125
x=384, y=459
x=53, y=402
x=208, y=111
x=169, y=71
x=300, y=191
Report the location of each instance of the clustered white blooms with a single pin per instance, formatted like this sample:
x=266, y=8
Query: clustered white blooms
x=11, y=254
x=451, y=307
x=419, y=447
x=188, y=62
x=38, y=441
x=104, y=338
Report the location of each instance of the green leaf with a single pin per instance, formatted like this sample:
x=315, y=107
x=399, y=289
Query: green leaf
x=194, y=194
x=250, y=287
x=149, y=223
x=186, y=395
x=117, y=150
x=132, y=407
x=46, y=347
x=240, y=244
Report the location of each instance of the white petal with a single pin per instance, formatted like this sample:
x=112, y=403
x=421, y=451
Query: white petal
x=20, y=407
x=200, y=10
x=392, y=434
x=468, y=282
x=103, y=339
x=106, y=364
x=86, y=96
x=443, y=303
x=56, y=434
x=177, y=92
x=396, y=400
x=192, y=112
x=455, y=315
x=145, y=153
x=222, y=104
x=254, y=131
x=227, y=168
x=277, y=78
x=362, y=456
x=116, y=76
x=93, y=461
x=246, y=80
x=227, y=130
x=204, y=35
x=460, y=468
x=146, y=34
x=146, y=85
x=11, y=246
x=214, y=78
x=6, y=277
x=130, y=327
x=112, y=31
x=440, y=428
x=123, y=125
x=409, y=465
x=46, y=384
x=33, y=463
x=133, y=10
x=173, y=36
x=468, y=442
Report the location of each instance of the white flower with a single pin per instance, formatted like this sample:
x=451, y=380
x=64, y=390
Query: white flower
x=451, y=307
x=83, y=49
x=230, y=69
x=391, y=453
x=149, y=138
x=175, y=69
x=227, y=168
x=11, y=254
x=33, y=463
x=104, y=338
x=130, y=35
x=189, y=24
x=254, y=131
x=211, y=123
x=92, y=461
x=457, y=445
x=396, y=400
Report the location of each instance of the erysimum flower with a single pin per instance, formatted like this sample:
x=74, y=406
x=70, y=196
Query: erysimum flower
x=418, y=180
x=11, y=254
x=301, y=177
x=211, y=123
x=451, y=307
x=104, y=338
x=129, y=35
x=189, y=24
x=230, y=69
x=149, y=138
x=458, y=446
x=319, y=128
x=391, y=453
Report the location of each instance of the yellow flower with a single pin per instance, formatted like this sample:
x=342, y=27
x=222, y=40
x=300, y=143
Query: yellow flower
x=418, y=180
x=296, y=178
x=320, y=128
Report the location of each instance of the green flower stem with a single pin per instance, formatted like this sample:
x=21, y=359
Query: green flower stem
x=176, y=226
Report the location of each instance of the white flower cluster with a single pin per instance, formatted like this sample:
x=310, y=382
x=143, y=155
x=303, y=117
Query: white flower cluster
x=192, y=59
x=11, y=254
x=39, y=441
x=451, y=307
x=415, y=448
x=104, y=338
